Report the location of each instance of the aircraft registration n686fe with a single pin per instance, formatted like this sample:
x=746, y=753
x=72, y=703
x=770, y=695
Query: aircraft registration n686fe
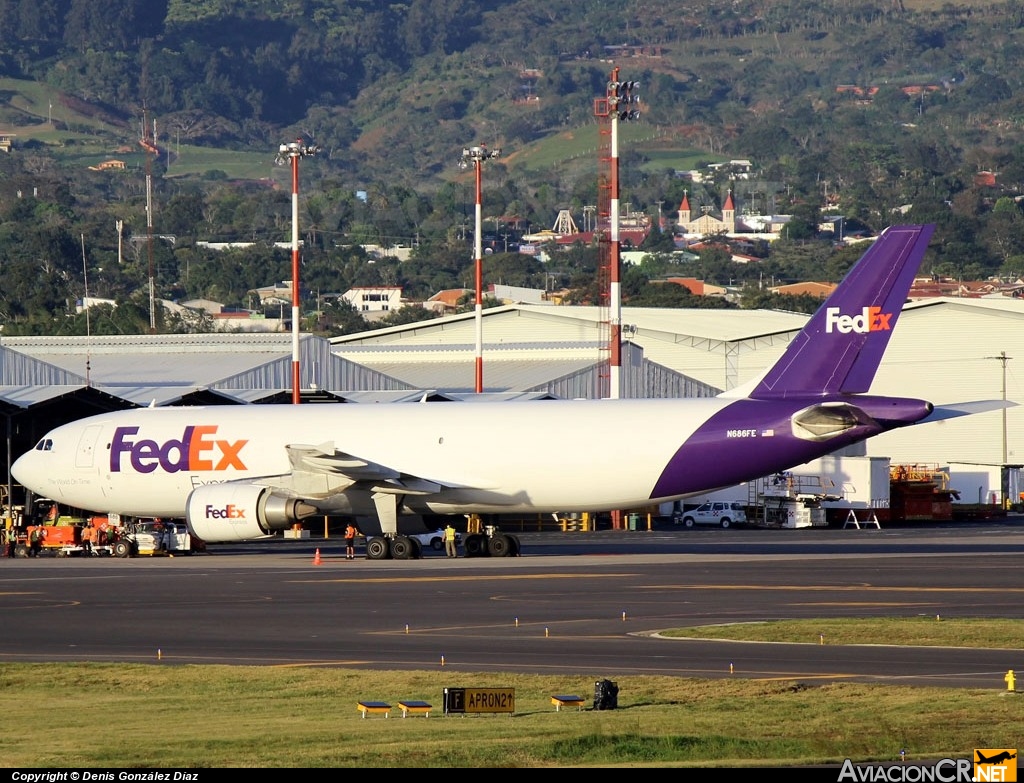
x=240, y=473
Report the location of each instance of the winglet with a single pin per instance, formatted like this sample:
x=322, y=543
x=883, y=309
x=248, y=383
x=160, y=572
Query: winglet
x=840, y=348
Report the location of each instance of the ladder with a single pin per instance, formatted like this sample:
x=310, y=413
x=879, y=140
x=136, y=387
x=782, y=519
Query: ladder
x=852, y=521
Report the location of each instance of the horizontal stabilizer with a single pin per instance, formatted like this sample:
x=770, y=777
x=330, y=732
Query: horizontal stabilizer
x=958, y=409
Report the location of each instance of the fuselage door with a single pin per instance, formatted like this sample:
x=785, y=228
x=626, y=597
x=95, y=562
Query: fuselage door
x=87, y=446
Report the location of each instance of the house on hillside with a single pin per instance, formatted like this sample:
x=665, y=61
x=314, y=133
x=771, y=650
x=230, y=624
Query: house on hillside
x=276, y=295
x=374, y=302
x=694, y=286
x=109, y=165
x=820, y=290
x=446, y=302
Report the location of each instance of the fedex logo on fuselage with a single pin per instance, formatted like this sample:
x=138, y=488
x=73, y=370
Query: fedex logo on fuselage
x=871, y=319
x=197, y=450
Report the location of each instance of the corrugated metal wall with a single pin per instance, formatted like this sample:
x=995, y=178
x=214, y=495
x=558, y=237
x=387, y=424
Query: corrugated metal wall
x=319, y=368
x=945, y=353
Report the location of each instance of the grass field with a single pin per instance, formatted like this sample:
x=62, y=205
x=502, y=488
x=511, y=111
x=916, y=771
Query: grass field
x=162, y=715
x=100, y=715
x=255, y=164
x=77, y=138
x=931, y=630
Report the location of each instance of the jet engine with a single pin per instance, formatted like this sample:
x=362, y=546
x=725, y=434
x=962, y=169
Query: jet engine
x=241, y=512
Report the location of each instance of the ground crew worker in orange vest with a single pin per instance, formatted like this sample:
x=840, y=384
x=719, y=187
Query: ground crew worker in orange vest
x=350, y=542
x=88, y=533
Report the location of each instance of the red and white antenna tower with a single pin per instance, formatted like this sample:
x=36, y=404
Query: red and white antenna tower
x=292, y=152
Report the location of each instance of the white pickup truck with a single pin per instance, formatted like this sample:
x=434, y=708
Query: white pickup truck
x=154, y=537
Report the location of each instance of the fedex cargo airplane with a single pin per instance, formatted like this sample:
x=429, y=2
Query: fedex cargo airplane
x=242, y=473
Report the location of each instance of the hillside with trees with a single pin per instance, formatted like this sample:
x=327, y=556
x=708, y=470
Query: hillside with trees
x=880, y=111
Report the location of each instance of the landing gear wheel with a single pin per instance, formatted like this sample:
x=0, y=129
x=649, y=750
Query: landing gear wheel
x=499, y=545
x=417, y=549
x=377, y=549
x=475, y=545
x=401, y=548
x=516, y=549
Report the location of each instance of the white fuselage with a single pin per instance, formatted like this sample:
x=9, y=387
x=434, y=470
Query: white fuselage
x=500, y=457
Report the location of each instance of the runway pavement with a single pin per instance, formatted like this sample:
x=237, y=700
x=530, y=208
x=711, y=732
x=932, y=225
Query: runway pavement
x=580, y=603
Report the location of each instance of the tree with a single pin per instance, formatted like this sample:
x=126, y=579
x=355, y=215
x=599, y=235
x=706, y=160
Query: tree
x=337, y=317
x=407, y=315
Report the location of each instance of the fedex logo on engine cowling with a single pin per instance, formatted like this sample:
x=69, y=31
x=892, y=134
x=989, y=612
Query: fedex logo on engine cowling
x=871, y=319
x=230, y=511
x=198, y=449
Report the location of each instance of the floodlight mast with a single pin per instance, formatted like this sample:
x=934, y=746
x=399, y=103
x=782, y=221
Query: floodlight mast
x=476, y=156
x=292, y=151
x=620, y=95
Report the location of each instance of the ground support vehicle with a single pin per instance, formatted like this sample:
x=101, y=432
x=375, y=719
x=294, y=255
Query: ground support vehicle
x=59, y=530
x=787, y=500
x=721, y=513
x=155, y=538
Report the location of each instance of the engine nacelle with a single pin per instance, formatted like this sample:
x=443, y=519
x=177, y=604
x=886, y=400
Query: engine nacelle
x=241, y=512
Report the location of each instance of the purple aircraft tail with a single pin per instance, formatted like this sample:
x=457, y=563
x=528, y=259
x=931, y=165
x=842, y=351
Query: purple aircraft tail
x=839, y=349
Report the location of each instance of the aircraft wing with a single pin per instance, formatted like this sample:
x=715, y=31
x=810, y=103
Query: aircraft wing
x=957, y=409
x=321, y=471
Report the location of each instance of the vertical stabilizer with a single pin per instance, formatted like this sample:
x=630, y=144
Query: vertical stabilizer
x=840, y=348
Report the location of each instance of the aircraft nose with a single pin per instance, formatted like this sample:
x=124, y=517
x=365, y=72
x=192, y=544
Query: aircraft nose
x=26, y=470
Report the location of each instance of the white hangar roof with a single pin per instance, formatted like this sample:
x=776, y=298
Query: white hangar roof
x=187, y=360
x=719, y=348
x=169, y=369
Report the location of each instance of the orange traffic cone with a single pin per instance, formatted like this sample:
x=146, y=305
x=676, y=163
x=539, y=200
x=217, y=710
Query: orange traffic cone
x=316, y=558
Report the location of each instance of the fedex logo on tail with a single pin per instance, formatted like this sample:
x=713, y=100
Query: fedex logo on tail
x=198, y=449
x=871, y=319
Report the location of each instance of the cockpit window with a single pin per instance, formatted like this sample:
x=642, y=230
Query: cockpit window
x=46, y=444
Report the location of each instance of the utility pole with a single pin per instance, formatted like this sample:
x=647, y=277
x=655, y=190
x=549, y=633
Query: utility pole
x=1003, y=358
x=149, y=145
